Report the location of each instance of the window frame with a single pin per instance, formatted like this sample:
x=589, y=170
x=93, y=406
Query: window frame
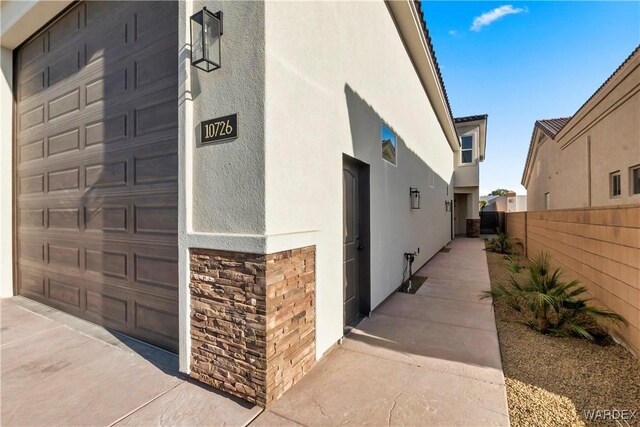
x=394, y=144
x=632, y=180
x=612, y=186
x=547, y=201
x=462, y=150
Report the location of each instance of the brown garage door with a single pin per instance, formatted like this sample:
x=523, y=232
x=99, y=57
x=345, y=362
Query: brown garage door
x=96, y=167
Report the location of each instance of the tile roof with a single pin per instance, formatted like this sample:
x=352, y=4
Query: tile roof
x=432, y=52
x=551, y=127
x=470, y=118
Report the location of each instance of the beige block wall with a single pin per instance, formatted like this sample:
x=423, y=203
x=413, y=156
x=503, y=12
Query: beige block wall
x=598, y=246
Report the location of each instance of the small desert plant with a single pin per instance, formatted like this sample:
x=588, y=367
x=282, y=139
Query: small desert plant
x=552, y=305
x=500, y=244
x=513, y=265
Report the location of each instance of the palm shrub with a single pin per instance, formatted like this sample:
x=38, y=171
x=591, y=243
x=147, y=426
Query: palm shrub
x=513, y=264
x=551, y=305
x=500, y=244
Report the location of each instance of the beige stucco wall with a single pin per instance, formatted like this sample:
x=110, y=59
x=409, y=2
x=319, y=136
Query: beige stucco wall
x=610, y=121
x=6, y=172
x=468, y=174
x=301, y=103
x=598, y=246
x=327, y=94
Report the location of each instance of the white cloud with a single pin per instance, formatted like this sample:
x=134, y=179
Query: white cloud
x=488, y=18
x=453, y=33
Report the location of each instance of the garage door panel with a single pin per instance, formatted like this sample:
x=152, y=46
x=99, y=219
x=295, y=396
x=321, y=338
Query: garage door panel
x=66, y=27
x=156, y=169
x=156, y=317
x=107, y=308
x=155, y=270
x=31, y=118
x=106, y=174
x=31, y=151
x=31, y=284
x=65, y=67
x=66, y=294
x=63, y=142
x=34, y=85
x=31, y=184
x=107, y=87
x=111, y=263
x=65, y=179
x=153, y=21
x=97, y=167
x=31, y=218
x=107, y=219
x=63, y=219
x=31, y=51
x=63, y=255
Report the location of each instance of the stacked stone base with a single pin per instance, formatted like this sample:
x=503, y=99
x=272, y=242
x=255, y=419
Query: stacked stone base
x=252, y=321
x=473, y=227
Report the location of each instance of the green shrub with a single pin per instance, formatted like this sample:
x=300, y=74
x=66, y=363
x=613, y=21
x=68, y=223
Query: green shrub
x=500, y=244
x=513, y=265
x=551, y=305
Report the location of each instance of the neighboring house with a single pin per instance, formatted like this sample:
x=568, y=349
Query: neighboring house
x=249, y=255
x=509, y=203
x=516, y=203
x=494, y=203
x=593, y=157
x=472, y=131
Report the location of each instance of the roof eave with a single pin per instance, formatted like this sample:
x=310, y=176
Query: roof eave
x=410, y=27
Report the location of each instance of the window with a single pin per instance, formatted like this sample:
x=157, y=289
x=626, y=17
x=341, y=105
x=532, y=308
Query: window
x=614, y=180
x=432, y=179
x=466, y=153
x=634, y=173
x=547, y=201
x=388, y=144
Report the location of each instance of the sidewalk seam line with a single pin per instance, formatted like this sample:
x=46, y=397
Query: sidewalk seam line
x=450, y=299
x=287, y=418
x=30, y=336
x=145, y=404
x=440, y=323
x=431, y=369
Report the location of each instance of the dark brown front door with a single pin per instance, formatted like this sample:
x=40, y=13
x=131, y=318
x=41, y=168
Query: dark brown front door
x=96, y=167
x=355, y=276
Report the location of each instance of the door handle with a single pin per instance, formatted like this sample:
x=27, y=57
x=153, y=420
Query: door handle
x=359, y=247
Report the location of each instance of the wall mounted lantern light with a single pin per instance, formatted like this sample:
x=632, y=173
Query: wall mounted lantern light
x=447, y=205
x=415, y=198
x=206, y=31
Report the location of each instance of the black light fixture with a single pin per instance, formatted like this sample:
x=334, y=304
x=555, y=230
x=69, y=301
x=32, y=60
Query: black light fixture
x=415, y=198
x=206, y=31
x=447, y=205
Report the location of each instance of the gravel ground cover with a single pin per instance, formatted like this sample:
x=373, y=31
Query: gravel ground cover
x=552, y=381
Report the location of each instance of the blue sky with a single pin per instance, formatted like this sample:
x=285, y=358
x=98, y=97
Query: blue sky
x=537, y=60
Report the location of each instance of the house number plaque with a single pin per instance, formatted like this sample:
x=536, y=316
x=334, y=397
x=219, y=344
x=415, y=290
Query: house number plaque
x=219, y=129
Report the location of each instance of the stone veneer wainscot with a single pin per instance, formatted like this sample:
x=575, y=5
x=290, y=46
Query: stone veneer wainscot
x=252, y=320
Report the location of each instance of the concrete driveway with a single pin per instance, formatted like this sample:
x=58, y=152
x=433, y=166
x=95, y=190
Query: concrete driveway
x=60, y=370
x=426, y=359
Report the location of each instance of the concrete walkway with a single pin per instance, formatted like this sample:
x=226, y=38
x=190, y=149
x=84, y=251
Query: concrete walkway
x=60, y=370
x=426, y=359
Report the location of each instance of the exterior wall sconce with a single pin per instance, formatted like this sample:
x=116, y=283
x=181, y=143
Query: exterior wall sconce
x=447, y=205
x=415, y=198
x=206, y=31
